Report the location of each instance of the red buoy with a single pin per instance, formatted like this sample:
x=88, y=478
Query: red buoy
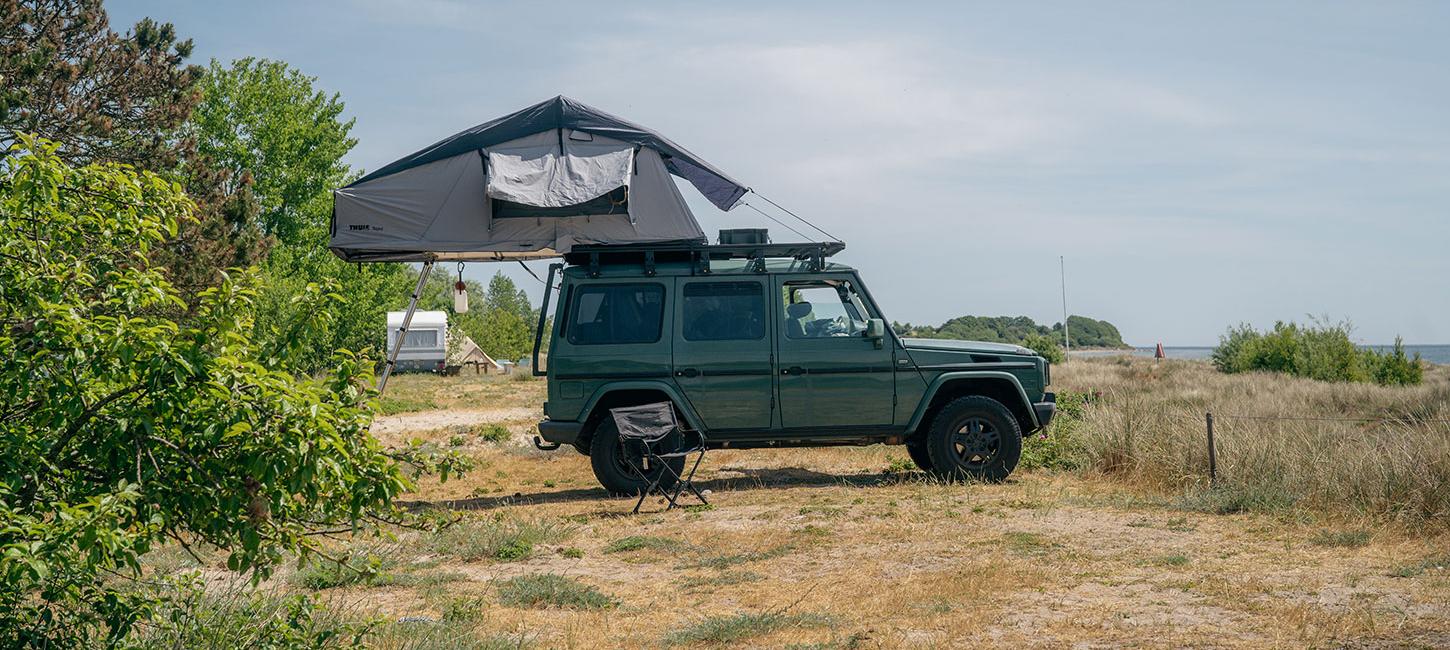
x=1158, y=354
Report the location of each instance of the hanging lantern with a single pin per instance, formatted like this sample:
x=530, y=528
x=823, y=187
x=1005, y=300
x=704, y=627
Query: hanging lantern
x=460, y=293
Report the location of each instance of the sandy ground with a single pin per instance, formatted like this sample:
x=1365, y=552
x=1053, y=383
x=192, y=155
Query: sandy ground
x=843, y=548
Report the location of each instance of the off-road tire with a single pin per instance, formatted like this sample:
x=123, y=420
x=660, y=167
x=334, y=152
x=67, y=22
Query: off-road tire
x=607, y=456
x=974, y=437
x=916, y=448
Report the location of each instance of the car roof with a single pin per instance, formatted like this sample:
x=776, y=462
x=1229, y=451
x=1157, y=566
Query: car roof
x=731, y=267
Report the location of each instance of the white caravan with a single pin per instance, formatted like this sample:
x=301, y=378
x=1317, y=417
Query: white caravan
x=426, y=346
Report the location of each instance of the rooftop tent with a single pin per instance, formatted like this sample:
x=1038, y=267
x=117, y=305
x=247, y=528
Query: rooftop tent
x=528, y=185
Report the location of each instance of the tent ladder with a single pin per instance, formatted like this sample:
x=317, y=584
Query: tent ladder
x=403, y=331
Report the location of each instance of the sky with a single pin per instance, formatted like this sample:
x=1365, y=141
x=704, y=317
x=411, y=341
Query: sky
x=1195, y=165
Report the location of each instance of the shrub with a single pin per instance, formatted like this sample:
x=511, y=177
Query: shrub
x=1322, y=351
x=493, y=432
x=1058, y=446
x=552, y=590
x=1045, y=345
x=130, y=417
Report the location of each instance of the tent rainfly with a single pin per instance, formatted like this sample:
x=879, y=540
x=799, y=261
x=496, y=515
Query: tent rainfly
x=528, y=185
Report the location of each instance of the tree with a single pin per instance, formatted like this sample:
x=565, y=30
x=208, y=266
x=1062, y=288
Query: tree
x=505, y=329
x=104, y=96
x=122, y=428
x=269, y=125
x=124, y=98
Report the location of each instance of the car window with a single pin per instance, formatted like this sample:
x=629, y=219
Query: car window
x=822, y=309
x=617, y=313
x=723, y=311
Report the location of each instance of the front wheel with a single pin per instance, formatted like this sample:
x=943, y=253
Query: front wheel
x=615, y=464
x=916, y=448
x=974, y=437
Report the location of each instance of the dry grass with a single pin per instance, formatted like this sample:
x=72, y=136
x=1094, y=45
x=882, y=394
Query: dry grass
x=826, y=548
x=1149, y=427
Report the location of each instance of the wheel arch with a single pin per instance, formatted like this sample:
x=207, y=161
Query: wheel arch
x=631, y=393
x=1001, y=386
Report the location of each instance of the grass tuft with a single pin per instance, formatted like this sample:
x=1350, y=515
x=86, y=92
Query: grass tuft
x=729, y=630
x=1341, y=539
x=543, y=590
x=499, y=538
x=645, y=542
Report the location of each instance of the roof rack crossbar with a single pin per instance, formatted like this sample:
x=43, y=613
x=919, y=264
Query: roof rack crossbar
x=814, y=253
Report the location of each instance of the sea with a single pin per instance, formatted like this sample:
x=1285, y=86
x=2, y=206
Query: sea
x=1439, y=354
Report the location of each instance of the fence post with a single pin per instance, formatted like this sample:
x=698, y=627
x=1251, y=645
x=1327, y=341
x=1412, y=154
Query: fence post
x=1212, y=456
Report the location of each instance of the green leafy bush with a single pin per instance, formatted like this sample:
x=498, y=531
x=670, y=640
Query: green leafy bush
x=1045, y=345
x=1058, y=446
x=1321, y=351
x=129, y=418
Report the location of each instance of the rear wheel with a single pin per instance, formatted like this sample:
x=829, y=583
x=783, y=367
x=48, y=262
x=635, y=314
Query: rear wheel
x=974, y=437
x=615, y=464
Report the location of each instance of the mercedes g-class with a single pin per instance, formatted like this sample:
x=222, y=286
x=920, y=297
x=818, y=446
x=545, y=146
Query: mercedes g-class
x=770, y=345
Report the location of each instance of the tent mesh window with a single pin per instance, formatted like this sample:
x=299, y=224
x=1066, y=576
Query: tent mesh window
x=614, y=202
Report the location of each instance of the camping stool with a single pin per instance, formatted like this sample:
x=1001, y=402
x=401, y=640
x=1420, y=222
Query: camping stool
x=653, y=431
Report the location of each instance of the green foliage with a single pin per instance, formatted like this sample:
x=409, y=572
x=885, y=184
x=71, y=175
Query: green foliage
x=360, y=566
x=552, y=590
x=1045, y=346
x=123, y=427
x=501, y=323
x=243, y=618
x=1059, y=445
x=274, y=132
x=1085, y=332
x=1321, y=351
x=67, y=77
x=271, y=126
x=494, y=432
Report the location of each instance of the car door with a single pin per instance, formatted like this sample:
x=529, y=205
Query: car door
x=831, y=374
x=723, y=352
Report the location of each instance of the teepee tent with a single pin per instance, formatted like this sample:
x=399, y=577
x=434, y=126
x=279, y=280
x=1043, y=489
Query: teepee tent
x=528, y=185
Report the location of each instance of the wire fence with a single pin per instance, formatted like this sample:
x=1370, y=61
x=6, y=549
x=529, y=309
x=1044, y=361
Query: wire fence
x=1209, y=418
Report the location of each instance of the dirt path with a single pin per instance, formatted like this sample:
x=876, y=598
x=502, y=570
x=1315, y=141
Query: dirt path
x=424, y=421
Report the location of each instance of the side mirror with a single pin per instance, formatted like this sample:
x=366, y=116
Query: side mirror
x=876, y=330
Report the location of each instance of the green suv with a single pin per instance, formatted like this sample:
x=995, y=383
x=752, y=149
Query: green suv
x=770, y=345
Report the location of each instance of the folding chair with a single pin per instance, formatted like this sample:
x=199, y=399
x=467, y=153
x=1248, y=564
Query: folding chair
x=651, y=430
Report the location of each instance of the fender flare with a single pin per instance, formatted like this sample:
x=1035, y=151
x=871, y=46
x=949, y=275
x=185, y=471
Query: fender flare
x=942, y=379
x=668, y=389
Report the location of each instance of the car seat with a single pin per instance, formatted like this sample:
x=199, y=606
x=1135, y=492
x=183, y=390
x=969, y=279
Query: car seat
x=797, y=311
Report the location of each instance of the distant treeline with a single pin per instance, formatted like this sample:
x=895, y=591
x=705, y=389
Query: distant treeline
x=1084, y=331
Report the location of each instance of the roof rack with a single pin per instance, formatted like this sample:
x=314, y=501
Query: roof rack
x=699, y=254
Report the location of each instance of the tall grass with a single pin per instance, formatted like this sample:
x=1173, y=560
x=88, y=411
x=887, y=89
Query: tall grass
x=1148, y=426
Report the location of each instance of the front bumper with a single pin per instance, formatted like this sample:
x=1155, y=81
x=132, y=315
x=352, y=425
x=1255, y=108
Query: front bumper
x=1045, y=409
x=564, y=433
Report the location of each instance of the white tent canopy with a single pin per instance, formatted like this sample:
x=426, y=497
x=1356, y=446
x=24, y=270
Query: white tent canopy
x=528, y=185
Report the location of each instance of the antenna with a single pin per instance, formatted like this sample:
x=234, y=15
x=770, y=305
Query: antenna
x=1062, y=266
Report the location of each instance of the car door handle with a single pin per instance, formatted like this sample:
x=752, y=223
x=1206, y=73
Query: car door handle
x=687, y=372
x=793, y=370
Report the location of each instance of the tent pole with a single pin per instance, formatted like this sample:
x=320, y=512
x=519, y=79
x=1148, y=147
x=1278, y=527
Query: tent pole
x=403, y=332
